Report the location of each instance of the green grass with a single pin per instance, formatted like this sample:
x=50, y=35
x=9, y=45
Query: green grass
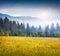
x=22, y=46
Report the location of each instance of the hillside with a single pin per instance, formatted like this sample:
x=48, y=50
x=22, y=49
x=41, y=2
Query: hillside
x=31, y=20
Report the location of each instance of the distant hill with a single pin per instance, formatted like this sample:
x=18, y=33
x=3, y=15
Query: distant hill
x=31, y=20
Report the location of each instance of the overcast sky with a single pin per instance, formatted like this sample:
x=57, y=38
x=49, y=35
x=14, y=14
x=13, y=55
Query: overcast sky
x=43, y=9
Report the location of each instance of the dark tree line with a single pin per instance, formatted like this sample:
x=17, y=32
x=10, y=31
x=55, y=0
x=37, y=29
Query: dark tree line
x=11, y=28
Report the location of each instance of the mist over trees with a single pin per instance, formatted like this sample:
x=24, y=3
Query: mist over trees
x=11, y=28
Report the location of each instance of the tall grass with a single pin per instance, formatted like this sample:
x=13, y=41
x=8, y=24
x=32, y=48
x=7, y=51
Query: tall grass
x=22, y=46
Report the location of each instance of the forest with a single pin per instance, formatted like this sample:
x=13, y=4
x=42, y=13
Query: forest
x=11, y=28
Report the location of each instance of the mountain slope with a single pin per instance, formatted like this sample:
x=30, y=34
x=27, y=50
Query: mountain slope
x=31, y=20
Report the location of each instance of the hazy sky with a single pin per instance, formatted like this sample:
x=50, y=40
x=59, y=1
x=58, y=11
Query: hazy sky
x=43, y=9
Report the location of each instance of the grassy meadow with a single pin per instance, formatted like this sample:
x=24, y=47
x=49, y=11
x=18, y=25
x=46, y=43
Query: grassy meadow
x=28, y=46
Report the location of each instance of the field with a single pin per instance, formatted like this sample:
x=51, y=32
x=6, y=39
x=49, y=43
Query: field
x=28, y=46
